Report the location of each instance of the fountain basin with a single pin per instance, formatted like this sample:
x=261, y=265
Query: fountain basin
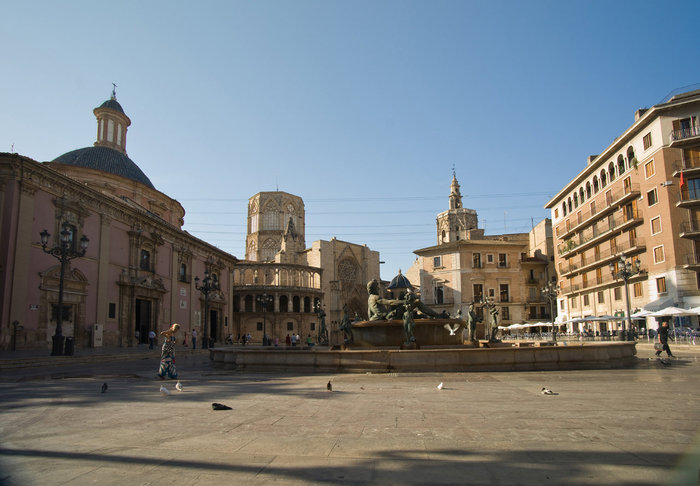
x=428, y=332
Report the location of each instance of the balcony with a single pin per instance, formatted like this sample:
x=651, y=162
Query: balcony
x=690, y=229
x=608, y=205
x=690, y=168
x=606, y=280
x=692, y=262
x=636, y=245
x=618, y=224
x=685, y=136
x=689, y=197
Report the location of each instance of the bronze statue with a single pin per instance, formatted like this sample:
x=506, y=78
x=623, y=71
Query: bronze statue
x=323, y=332
x=346, y=326
x=410, y=304
x=492, y=326
x=379, y=309
x=472, y=319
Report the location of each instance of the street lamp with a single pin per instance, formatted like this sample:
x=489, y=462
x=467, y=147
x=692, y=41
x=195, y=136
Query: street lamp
x=264, y=300
x=64, y=252
x=209, y=285
x=550, y=292
x=626, y=270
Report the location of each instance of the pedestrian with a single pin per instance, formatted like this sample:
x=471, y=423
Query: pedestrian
x=287, y=340
x=277, y=341
x=194, y=338
x=309, y=341
x=663, y=340
x=138, y=337
x=299, y=339
x=184, y=341
x=167, y=354
x=151, y=339
x=294, y=339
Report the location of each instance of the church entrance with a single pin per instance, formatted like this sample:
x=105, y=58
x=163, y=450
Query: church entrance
x=143, y=320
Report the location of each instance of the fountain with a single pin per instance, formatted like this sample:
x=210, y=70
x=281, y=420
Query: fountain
x=406, y=335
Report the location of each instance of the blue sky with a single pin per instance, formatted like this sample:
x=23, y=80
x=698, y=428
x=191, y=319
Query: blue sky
x=362, y=108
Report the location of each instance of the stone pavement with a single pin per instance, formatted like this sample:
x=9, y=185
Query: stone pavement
x=633, y=426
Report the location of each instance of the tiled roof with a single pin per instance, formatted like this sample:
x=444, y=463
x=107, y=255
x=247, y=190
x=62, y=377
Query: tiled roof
x=106, y=160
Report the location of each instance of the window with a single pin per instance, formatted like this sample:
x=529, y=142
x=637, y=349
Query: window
x=592, y=205
x=478, y=292
x=608, y=198
x=617, y=291
x=556, y=213
x=439, y=294
x=637, y=289
x=271, y=220
x=652, y=197
x=492, y=293
x=586, y=300
x=476, y=260
x=259, y=326
x=647, y=140
x=112, y=312
x=504, y=292
x=659, y=254
x=505, y=314
x=489, y=258
x=627, y=185
x=533, y=293
x=661, y=285
x=502, y=260
x=145, y=260
x=313, y=326
x=649, y=169
x=620, y=164
x=182, y=276
x=437, y=262
x=290, y=326
x=598, y=276
x=656, y=225
x=561, y=305
x=573, y=302
x=601, y=297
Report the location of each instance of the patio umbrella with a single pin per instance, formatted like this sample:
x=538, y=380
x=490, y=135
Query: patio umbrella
x=673, y=312
x=641, y=314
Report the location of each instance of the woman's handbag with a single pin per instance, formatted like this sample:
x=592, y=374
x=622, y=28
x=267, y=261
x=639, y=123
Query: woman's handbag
x=658, y=347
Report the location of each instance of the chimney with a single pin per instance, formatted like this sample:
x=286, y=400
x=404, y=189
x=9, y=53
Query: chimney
x=591, y=158
x=639, y=113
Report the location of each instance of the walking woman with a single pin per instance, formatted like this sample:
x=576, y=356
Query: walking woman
x=167, y=354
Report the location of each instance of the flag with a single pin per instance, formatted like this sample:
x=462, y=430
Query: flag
x=682, y=181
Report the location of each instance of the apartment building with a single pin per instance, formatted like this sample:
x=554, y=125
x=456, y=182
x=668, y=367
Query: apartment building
x=639, y=200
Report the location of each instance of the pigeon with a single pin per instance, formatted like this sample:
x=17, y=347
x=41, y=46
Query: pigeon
x=547, y=391
x=439, y=387
x=164, y=391
x=452, y=330
x=104, y=387
x=220, y=406
x=329, y=387
x=178, y=386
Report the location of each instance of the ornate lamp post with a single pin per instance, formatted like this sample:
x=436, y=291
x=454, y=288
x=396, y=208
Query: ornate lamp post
x=264, y=300
x=63, y=252
x=209, y=285
x=626, y=270
x=550, y=292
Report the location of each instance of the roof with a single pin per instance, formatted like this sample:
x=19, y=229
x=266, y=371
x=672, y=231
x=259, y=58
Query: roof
x=112, y=104
x=106, y=160
x=400, y=282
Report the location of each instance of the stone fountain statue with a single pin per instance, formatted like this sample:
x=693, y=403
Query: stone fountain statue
x=346, y=326
x=379, y=309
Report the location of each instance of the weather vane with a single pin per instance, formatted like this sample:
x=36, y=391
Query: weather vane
x=114, y=91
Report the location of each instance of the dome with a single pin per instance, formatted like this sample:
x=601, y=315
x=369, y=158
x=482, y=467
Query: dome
x=112, y=104
x=106, y=160
x=400, y=282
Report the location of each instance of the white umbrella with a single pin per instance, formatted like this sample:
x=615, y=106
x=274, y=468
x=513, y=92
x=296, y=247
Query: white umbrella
x=641, y=314
x=672, y=311
x=695, y=310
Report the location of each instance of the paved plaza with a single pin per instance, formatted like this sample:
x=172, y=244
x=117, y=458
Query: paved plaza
x=633, y=426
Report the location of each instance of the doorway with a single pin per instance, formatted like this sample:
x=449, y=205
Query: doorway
x=143, y=320
x=214, y=324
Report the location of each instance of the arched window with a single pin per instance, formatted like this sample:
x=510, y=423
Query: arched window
x=630, y=157
x=595, y=185
x=563, y=208
x=603, y=178
x=271, y=220
x=268, y=250
x=620, y=164
x=183, y=273
x=296, y=304
x=611, y=171
x=575, y=200
x=284, y=303
x=588, y=190
x=570, y=207
x=307, y=304
x=581, y=195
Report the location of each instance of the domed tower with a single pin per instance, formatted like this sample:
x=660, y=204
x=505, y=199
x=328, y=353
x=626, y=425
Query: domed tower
x=457, y=223
x=106, y=167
